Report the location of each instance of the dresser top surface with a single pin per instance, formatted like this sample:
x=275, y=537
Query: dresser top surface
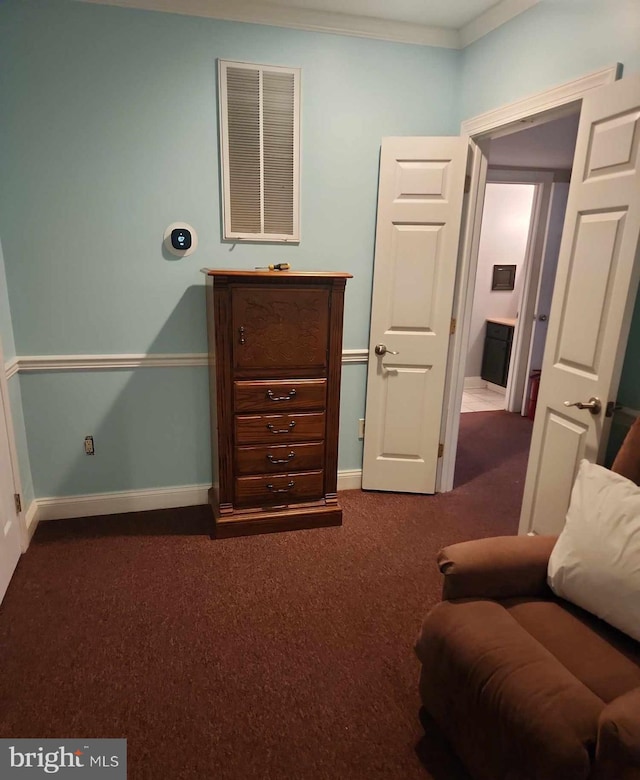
x=252, y=274
x=509, y=321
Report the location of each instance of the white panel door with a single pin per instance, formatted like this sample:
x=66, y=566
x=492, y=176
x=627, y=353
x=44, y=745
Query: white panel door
x=594, y=294
x=418, y=227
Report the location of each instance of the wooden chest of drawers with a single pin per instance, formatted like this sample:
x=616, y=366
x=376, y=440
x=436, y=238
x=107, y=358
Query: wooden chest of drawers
x=275, y=347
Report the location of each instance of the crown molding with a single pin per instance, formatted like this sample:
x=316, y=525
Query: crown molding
x=491, y=19
x=336, y=23
x=299, y=19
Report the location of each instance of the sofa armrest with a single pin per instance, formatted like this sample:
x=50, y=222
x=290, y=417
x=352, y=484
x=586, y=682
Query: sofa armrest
x=618, y=747
x=627, y=461
x=495, y=568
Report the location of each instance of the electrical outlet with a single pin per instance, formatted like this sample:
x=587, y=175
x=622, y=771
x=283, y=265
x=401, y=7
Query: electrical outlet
x=361, y=428
x=88, y=446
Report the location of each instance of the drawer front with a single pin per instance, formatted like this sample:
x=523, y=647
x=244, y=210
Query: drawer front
x=278, y=489
x=279, y=428
x=265, y=459
x=280, y=395
x=497, y=331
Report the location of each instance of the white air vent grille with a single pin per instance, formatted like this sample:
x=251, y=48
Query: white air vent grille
x=259, y=112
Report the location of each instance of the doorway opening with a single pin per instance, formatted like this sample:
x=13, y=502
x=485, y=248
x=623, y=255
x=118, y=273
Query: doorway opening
x=522, y=219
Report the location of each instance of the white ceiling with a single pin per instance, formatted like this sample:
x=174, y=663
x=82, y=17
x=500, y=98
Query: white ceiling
x=447, y=23
x=432, y=13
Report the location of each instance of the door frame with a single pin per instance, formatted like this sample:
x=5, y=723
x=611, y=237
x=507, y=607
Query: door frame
x=13, y=451
x=531, y=267
x=536, y=292
x=479, y=130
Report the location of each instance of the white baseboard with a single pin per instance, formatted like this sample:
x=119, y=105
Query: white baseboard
x=350, y=479
x=139, y=500
x=30, y=519
x=478, y=383
x=496, y=388
x=474, y=383
x=122, y=501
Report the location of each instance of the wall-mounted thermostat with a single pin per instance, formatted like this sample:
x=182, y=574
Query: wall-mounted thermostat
x=180, y=239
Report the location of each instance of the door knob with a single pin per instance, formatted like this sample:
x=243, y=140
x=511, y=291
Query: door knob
x=594, y=405
x=542, y=318
x=382, y=350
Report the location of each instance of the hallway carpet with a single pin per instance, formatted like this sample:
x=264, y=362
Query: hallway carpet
x=279, y=656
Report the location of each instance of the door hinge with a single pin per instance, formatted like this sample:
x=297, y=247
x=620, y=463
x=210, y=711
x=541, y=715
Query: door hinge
x=18, y=502
x=452, y=329
x=440, y=450
x=467, y=183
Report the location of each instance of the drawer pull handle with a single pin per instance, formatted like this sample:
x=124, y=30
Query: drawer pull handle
x=289, y=457
x=241, y=334
x=292, y=425
x=281, y=490
x=289, y=397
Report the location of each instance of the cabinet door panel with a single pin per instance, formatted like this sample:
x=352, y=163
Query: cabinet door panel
x=280, y=328
x=495, y=361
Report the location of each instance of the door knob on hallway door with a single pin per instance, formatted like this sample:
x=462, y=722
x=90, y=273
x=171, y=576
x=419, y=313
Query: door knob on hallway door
x=594, y=405
x=381, y=350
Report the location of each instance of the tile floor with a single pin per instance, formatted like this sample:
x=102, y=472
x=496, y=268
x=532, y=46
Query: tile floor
x=481, y=400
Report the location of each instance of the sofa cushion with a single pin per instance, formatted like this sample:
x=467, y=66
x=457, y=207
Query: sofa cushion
x=602, y=658
x=596, y=561
x=509, y=708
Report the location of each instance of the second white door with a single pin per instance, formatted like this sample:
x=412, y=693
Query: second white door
x=593, y=299
x=417, y=233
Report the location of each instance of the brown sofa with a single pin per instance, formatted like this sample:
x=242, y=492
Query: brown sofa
x=524, y=685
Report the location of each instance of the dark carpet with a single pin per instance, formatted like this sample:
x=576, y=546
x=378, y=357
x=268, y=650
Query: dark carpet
x=279, y=656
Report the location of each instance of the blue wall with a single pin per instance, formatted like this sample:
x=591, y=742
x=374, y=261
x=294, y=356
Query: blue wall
x=116, y=140
x=109, y=133
x=553, y=42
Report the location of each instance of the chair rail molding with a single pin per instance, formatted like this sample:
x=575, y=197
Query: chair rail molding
x=28, y=363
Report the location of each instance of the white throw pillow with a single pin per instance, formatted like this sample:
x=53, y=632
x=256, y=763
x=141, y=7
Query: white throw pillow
x=596, y=560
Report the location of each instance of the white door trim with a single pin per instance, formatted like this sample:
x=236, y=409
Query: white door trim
x=13, y=452
x=480, y=129
x=529, y=110
x=462, y=309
